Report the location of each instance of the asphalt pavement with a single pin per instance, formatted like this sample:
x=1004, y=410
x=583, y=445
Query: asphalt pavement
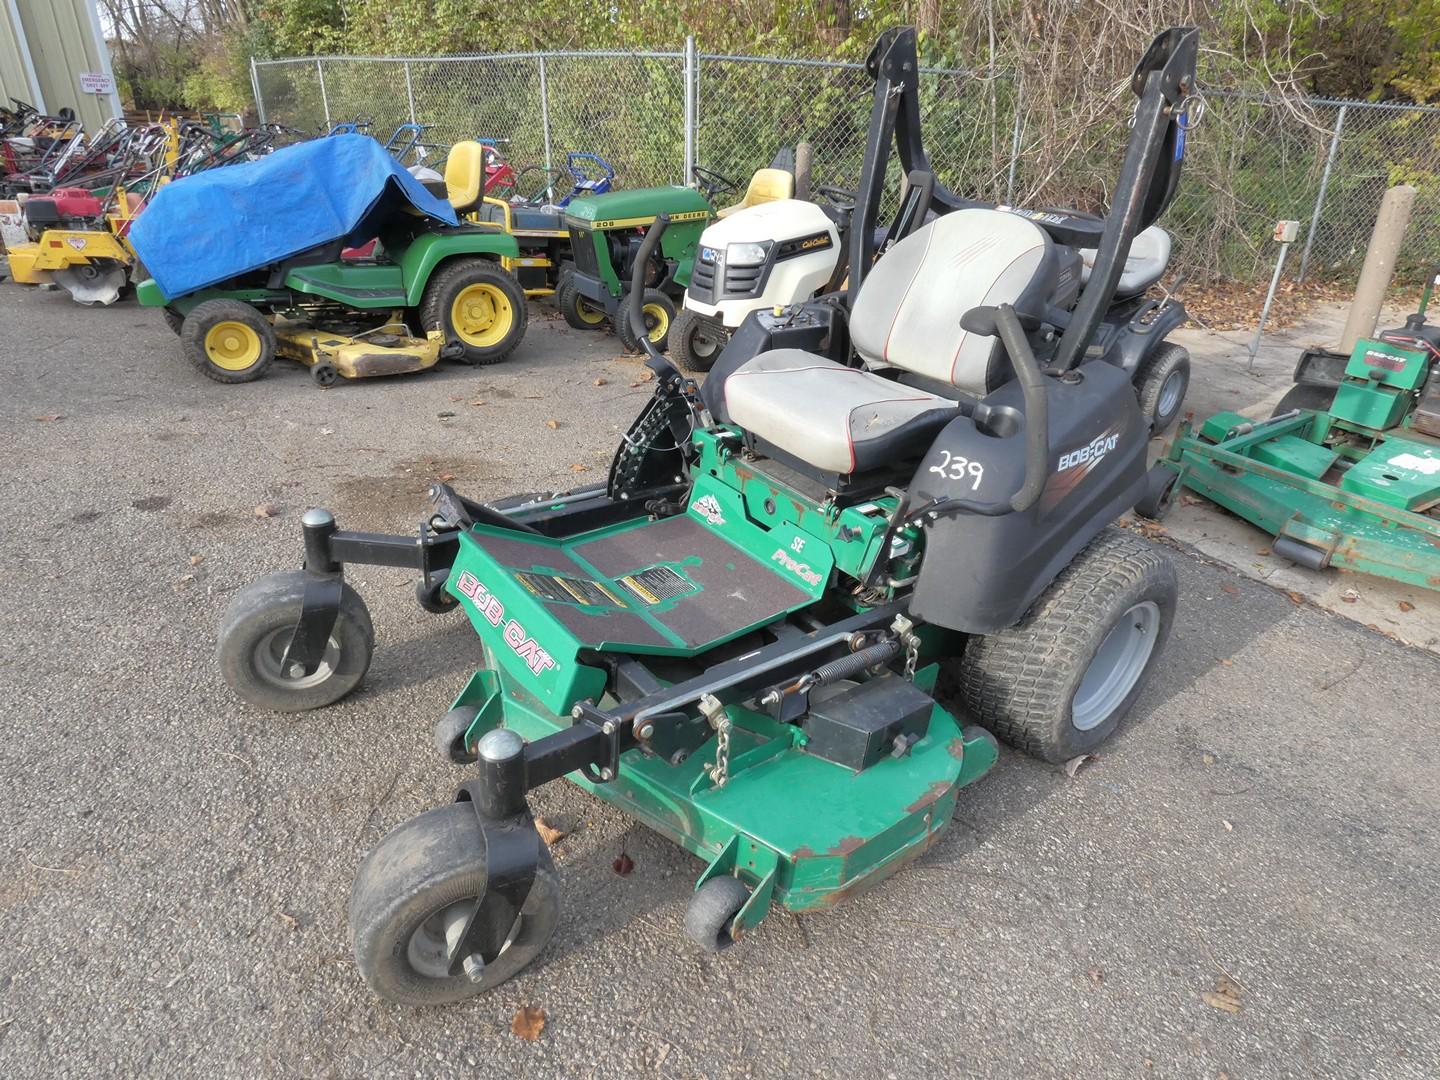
x=1242, y=885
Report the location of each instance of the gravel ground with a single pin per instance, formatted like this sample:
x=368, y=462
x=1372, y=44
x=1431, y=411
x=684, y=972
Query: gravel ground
x=174, y=867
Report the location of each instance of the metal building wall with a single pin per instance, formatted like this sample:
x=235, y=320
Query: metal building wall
x=45, y=45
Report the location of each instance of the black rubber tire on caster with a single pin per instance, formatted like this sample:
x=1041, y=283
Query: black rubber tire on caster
x=659, y=314
x=431, y=595
x=1058, y=682
x=173, y=319
x=256, y=629
x=228, y=341
x=1161, y=487
x=425, y=872
x=324, y=374
x=712, y=910
x=448, y=735
x=696, y=341
x=1305, y=396
x=578, y=312
x=1161, y=382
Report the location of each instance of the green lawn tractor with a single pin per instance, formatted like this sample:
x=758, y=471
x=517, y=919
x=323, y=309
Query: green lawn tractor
x=427, y=291
x=607, y=231
x=736, y=638
x=1346, y=472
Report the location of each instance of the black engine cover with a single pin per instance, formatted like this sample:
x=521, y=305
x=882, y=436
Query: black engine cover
x=980, y=574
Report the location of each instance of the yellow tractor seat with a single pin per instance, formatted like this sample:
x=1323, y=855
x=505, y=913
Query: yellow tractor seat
x=465, y=175
x=767, y=185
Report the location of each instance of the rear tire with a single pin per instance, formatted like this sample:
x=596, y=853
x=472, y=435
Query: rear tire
x=173, y=319
x=1161, y=383
x=413, y=882
x=228, y=341
x=1058, y=682
x=1305, y=396
x=479, y=304
x=696, y=340
x=659, y=313
x=578, y=312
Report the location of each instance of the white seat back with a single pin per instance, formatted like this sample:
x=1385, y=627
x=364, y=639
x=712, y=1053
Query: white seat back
x=909, y=308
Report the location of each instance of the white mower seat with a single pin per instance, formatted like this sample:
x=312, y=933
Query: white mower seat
x=841, y=419
x=836, y=418
x=1144, y=266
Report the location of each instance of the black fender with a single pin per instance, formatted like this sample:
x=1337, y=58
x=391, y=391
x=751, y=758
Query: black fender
x=980, y=574
x=1137, y=338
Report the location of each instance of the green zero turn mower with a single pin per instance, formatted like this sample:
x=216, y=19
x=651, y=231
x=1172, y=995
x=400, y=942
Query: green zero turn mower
x=607, y=231
x=736, y=637
x=1346, y=473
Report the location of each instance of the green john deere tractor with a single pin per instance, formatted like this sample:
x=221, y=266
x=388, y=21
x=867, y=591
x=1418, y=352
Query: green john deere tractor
x=1346, y=472
x=606, y=233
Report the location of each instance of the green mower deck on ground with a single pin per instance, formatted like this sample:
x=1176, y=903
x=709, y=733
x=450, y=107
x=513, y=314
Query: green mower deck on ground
x=1354, y=487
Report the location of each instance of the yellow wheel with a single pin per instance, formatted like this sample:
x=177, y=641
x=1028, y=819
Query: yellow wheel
x=232, y=345
x=227, y=340
x=577, y=311
x=481, y=315
x=477, y=303
x=658, y=311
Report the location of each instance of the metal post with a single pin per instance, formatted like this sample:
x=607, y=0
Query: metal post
x=410, y=93
x=1014, y=151
x=545, y=112
x=1324, y=184
x=255, y=88
x=324, y=97
x=690, y=118
x=1265, y=311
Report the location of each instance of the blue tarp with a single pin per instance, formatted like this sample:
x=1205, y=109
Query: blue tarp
x=214, y=225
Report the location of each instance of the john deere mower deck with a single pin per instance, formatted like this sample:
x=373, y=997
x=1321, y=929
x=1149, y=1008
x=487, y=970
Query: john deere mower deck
x=737, y=637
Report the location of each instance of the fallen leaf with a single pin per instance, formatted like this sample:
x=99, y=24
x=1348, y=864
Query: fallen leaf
x=196, y=560
x=1231, y=589
x=1228, y=827
x=445, y=477
x=478, y=401
x=552, y=424
x=599, y=382
x=623, y=864
x=1097, y=977
x=1208, y=759
x=579, y=468
x=49, y=417
x=1295, y=597
x=1405, y=605
x=1219, y=1001
x=1262, y=551
x=327, y=431
x=528, y=1023
x=1349, y=596
x=549, y=833
x=1073, y=765
x=1190, y=500
x=1225, y=660
x=266, y=510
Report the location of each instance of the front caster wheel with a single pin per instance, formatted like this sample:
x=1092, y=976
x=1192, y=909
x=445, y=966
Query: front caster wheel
x=449, y=734
x=712, y=911
x=257, y=628
x=431, y=595
x=419, y=885
x=324, y=374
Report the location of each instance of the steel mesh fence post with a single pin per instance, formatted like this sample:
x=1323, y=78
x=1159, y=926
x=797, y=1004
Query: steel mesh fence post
x=690, y=109
x=255, y=89
x=410, y=93
x=1015, y=150
x=324, y=97
x=545, y=113
x=1320, y=195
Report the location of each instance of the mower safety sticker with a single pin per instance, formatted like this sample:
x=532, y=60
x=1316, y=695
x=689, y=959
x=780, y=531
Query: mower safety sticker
x=1427, y=466
x=657, y=583
x=514, y=635
x=76, y=242
x=708, y=507
x=568, y=590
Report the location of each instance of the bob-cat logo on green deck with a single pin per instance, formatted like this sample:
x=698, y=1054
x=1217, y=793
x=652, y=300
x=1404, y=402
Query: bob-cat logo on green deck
x=514, y=635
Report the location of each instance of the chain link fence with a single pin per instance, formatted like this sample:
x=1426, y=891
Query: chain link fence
x=1251, y=160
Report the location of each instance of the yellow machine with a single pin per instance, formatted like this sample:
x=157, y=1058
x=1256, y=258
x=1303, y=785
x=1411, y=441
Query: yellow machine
x=385, y=350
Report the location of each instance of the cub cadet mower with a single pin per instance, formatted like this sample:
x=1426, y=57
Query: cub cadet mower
x=1347, y=471
x=607, y=231
x=736, y=637
x=432, y=289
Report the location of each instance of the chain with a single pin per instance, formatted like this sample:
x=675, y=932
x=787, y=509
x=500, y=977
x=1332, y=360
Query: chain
x=905, y=630
x=714, y=711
